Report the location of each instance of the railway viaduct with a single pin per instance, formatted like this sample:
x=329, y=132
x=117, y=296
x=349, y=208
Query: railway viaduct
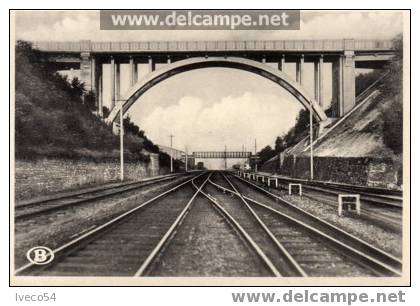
x=345, y=55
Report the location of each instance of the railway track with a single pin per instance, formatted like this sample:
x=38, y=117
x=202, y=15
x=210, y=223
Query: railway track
x=383, y=197
x=385, y=217
x=307, y=228
x=124, y=245
x=370, y=195
x=130, y=244
x=272, y=254
x=285, y=243
x=29, y=209
x=380, y=211
x=278, y=262
x=208, y=244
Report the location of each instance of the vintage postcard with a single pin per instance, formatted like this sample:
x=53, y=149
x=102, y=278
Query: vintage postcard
x=210, y=147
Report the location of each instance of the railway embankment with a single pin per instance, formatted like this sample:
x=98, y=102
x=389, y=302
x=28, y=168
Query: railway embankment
x=362, y=148
x=61, y=143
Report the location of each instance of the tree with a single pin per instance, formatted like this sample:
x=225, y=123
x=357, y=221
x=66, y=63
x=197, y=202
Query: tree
x=393, y=89
x=90, y=100
x=394, y=81
x=78, y=87
x=265, y=154
x=279, y=144
x=364, y=80
x=299, y=130
x=51, y=120
x=302, y=120
x=105, y=111
x=393, y=126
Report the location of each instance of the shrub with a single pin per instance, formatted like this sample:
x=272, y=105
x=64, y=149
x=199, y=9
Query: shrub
x=54, y=116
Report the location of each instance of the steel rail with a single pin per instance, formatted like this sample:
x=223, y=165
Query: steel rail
x=65, y=248
x=376, y=197
x=369, y=261
x=393, y=223
x=75, y=193
x=357, y=243
x=164, y=240
x=292, y=263
x=382, y=219
x=244, y=233
x=105, y=192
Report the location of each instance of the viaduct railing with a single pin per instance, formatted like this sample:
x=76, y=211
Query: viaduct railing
x=183, y=46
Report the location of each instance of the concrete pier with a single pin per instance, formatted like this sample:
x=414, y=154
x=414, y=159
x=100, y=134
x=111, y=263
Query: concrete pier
x=345, y=55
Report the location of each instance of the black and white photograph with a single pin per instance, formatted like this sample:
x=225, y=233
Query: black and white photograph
x=210, y=147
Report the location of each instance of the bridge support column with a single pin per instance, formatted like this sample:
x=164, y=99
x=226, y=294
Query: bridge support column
x=349, y=81
x=133, y=71
x=299, y=69
x=97, y=84
x=281, y=63
x=112, y=82
x=318, y=80
x=337, y=90
x=117, y=82
x=99, y=95
x=86, y=70
x=321, y=81
x=93, y=74
x=151, y=64
x=344, y=87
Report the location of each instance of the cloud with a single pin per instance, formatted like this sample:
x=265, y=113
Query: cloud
x=57, y=27
x=233, y=120
x=362, y=25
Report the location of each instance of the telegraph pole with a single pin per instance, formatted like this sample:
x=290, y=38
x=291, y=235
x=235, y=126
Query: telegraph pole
x=311, y=139
x=255, y=148
x=243, y=151
x=186, y=158
x=172, y=164
x=121, y=144
x=225, y=159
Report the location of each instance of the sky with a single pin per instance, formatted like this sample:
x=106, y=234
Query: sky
x=209, y=108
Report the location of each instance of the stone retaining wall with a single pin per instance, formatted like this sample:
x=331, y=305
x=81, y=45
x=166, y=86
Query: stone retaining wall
x=44, y=176
x=365, y=171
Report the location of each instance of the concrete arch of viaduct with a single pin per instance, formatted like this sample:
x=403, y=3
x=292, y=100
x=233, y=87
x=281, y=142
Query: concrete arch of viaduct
x=155, y=77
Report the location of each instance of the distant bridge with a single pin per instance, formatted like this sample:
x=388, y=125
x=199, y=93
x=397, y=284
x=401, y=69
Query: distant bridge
x=222, y=154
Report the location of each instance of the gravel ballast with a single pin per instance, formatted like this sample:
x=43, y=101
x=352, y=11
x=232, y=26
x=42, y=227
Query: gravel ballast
x=388, y=241
x=54, y=229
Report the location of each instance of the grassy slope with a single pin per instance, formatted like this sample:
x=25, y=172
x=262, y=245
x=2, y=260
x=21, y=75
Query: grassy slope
x=361, y=134
x=52, y=121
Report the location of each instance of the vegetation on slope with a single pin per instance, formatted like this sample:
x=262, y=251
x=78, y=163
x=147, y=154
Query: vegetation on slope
x=292, y=137
x=53, y=117
x=391, y=88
